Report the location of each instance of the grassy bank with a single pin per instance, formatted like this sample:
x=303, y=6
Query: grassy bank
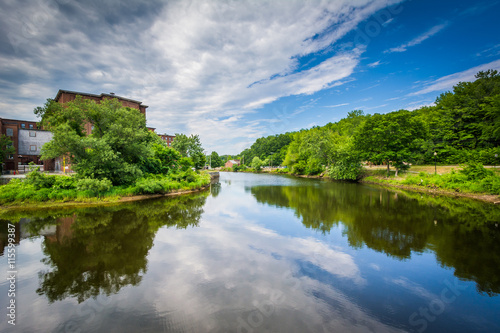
x=472, y=181
x=40, y=190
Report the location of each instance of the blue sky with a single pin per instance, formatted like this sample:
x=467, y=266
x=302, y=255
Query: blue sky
x=233, y=71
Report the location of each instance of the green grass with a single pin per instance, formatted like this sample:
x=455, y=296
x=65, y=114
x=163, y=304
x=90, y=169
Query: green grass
x=42, y=188
x=473, y=178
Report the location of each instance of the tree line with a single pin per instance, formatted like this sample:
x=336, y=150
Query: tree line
x=462, y=126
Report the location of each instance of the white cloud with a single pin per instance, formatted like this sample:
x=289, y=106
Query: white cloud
x=194, y=63
x=337, y=105
x=447, y=82
x=418, y=40
x=374, y=64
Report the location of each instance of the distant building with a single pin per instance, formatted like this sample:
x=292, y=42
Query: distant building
x=27, y=139
x=230, y=163
x=167, y=138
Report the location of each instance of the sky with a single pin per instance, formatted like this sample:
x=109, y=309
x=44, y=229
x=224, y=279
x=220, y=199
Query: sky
x=234, y=71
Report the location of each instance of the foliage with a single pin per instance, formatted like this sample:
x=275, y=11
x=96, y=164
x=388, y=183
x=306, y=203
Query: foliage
x=263, y=148
x=257, y=163
x=465, y=123
x=463, y=127
x=347, y=164
x=473, y=180
x=39, y=180
x=190, y=147
x=118, y=142
x=314, y=166
x=96, y=186
x=162, y=159
x=313, y=149
x=6, y=148
x=215, y=160
x=185, y=163
x=38, y=187
x=393, y=138
x=476, y=171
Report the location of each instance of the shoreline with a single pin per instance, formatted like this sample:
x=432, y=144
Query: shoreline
x=487, y=198
x=101, y=201
x=484, y=197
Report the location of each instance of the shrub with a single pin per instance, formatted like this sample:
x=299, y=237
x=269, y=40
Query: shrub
x=476, y=171
x=185, y=163
x=299, y=168
x=64, y=182
x=148, y=185
x=93, y=185
x=313, y=167
x=40, y=180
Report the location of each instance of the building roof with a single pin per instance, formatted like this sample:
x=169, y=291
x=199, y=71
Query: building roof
x=15, y=121
x=112, y=95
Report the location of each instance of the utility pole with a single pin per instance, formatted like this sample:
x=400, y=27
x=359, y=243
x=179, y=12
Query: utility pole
x=435, y=163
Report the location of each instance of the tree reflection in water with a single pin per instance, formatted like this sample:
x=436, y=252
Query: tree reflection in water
x=100, y=250
x=461, y=233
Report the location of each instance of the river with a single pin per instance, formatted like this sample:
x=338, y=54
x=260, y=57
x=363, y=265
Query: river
x=256, y=253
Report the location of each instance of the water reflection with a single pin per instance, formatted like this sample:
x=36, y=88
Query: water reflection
x=461, y=233
x=100, y=250
x=259, y=253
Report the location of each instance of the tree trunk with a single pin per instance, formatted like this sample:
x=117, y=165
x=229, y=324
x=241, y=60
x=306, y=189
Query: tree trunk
x=397, y=172
x=388, y=172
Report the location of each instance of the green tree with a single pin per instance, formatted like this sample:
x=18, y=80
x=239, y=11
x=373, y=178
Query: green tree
x=115, y=148
x=190, y=147
x=6, y=148
x=257, y=163
x=215, y=160
x=393, y=138
x=162, y=159
x=347, y=161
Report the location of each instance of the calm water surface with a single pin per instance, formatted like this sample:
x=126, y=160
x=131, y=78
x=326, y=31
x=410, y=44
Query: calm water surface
x=259, y=253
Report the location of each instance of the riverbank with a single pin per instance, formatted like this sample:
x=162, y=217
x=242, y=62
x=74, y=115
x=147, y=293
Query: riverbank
x=473, y=182
x=94, y=202
x=489, y=198
x=448, y=181
x=27, y=198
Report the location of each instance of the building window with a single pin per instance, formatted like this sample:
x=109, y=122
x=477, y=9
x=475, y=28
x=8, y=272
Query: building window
x=23, y=125
x=32, y=133
x=33, y=148
x=31, y=126
x=9, y=132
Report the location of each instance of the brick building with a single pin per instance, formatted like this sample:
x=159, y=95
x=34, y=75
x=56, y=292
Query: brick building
x=64, y=96
x=167, y=138
x=230, y=163
x=28, y=140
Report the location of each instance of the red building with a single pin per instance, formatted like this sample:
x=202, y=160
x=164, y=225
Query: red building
x=230, y=163
x=64, y=96
x=167, y=138
x=13, y=128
